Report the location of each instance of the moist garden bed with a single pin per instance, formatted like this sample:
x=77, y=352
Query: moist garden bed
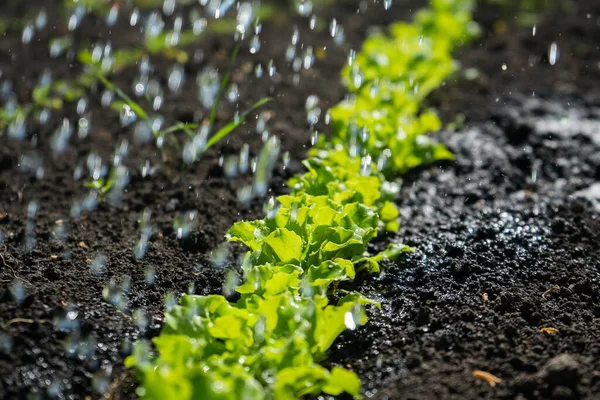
x=505, y=237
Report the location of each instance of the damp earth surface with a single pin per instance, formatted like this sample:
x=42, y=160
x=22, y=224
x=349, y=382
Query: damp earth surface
x=505, y=276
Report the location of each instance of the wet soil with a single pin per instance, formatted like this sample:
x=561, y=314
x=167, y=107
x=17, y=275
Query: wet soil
x=505, y=237
x=506, y=244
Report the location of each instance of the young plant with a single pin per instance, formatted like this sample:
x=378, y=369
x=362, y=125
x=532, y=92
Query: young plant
x=101, y=186
x=267, y=344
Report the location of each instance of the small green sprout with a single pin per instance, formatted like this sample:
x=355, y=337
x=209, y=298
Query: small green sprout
x=101, y=186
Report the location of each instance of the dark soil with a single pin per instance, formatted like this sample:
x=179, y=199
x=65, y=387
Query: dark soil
x=506, y=243
x=506, y=238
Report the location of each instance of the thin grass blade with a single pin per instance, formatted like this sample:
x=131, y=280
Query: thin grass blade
x=227, y=129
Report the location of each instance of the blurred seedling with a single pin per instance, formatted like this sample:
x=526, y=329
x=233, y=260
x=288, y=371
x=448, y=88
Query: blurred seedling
x=197, y=142
x=101, y=186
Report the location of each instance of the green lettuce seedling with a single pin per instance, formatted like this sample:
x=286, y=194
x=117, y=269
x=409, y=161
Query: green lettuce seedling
x=268, y=343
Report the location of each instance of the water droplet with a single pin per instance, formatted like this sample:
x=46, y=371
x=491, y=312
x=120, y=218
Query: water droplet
x=128, y=116
x=170, y=301
x=154, y=25
x=41, y=20
x=286, y=159
x=157, y=123
x=140, y=317
x=365, y=165
x=333, y=27
x=220, y=255
x=198, y=26
x=150, y=276
x=113, y=294
x=18, y=291
x=83, y=127
x=66, y=320
x=244, y=159
x=270, y=208
x=101, y=379
x=107, y=98
x=309, y=58
x=176, y=78
x=233, y=93
x=28, y=33
x=349, y=321
x=313, y=22
x=16, y=129
x=139, y=86
x=272, y=70
x=314, y=137
x=357, y=77
x=245, y=194
x=134, y=18
x=82, y=105
x=185, y=223
x=553, y=53
x=384, y=156
x=230, y=167
x=290, y=53
x=60, y=139
x=244, y=17
x=98, y=264
x=6, y=343
x=265, y=164
x=351, y=57
x=232, y=280
x=157, y=103
x=304, y=7
x=255, y=44
x=32, y=209
x=169, y=7
x=312, y=110
x=76, y=17
x=258, y=70
x=208, y=87
x=113, y=15
x=146, y=69
x=120, y=176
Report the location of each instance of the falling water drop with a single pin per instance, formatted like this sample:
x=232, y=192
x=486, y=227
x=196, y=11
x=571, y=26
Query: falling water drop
x=286, y=159
x=233, y=93
x=28, y=33
x=553, y=53
x=128, y=116
x=304, y=7
x=18, y=291
x=98, y=264
x=258, y=70
x=60, y=139
x=255, y=44
x=176, y=78
x=349, y=321
x=265, y=164
x=41, y=20
x=134, y=17
x=113, y=15
x=140, y=317
x=333, y=27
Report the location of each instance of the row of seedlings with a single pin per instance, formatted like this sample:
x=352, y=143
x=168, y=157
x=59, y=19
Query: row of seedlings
x=268, y=343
